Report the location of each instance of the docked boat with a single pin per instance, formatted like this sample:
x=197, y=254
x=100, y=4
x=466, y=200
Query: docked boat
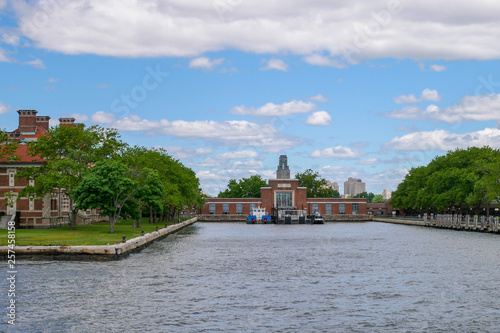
x=258, y=215
x=316, y=218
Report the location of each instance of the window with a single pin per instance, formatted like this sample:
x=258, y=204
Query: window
x=31, y=204
x=12, y=174
x=315, y=208
x=342, y=208
x=355, y=208
x=225, y=208
x=328, y=209
x=239, y=208
x=65, y=202
x=211, y=208
x=284, y=199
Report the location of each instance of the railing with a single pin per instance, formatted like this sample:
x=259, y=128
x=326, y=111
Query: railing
x=465, y=222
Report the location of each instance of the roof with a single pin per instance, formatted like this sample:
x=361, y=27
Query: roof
x=22, y=149
x=22, y=154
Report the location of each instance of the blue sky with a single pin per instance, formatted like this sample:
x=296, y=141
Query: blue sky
x=364, y=89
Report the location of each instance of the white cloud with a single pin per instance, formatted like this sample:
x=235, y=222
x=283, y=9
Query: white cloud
x=277, y=64
x=231, y=133
x=4, y=108
x=237, y=155
x=52, y=80
x=403, y=128
x=469, y=108
x=427, y=95
x=180, y=152
x=205, y=63
x=369, y=161
x=37, y=63
x=319, y=118
x=101, y=117
x=438, y=68
x=336, y=152
x=430, y=95
x=271, y=109
x=10, y=39
x=339, y=173
x=307, y=28
x=3, y=57
x=252, y=164
x=319, y=98
x=443, y=140
x=319, y=60
x=402, y=160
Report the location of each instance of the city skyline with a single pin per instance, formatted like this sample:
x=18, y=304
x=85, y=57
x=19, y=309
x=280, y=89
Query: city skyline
x=365, y=91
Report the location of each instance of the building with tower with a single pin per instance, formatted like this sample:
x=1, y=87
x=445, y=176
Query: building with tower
x=284, y=193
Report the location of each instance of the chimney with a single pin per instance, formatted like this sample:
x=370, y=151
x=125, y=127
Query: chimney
x=27, y=121
x=43, y=122
x=66, y=121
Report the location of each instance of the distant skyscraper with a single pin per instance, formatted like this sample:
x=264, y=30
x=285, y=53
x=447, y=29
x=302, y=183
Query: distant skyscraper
x=386, y=194
x=283, y=171
x=333, y=185
x=354, y=186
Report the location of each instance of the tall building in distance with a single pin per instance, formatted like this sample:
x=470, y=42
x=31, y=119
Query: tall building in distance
x=386, y=194
x=333, y=185
x=354, y=186
x=283, y=171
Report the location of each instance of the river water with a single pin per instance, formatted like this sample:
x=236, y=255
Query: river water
x=233, y=277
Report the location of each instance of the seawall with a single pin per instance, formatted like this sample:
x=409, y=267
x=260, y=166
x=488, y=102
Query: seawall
x=398, y=221
x=94, y=252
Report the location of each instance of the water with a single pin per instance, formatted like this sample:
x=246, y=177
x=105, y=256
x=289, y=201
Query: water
x=230, y=277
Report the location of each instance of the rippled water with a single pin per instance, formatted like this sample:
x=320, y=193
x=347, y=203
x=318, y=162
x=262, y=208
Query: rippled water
x=230, y=277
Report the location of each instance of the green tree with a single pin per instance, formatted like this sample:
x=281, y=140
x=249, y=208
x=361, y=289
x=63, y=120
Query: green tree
x=378, y=198
x=7, y=148
x=464, y=176
x=181, y=186
x=67, y=153
x=108, y=186
x=316, y=186
x=369, y=196
x=245, y=188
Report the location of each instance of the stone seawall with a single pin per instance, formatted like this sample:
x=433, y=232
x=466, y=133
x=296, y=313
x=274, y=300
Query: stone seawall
x=398, y=221
x=222, y=218
x=346, y=218
x=94, y=252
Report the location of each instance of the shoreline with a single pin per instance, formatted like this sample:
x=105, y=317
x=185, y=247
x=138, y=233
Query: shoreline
x=94, y=252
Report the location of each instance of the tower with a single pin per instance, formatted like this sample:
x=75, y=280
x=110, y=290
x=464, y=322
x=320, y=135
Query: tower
x=283, y=171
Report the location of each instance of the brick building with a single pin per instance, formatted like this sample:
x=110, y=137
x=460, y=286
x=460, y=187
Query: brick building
x=53, y=209
x=284, y=193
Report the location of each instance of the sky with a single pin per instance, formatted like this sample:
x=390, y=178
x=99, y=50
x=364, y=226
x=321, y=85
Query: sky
x=364, y=89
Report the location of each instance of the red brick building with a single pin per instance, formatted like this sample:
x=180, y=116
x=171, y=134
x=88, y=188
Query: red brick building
x=284, y=193
x=53, y=209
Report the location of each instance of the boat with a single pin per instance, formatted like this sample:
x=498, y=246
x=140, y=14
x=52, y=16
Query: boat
x=258, y=215
x=316, y=218
x=291, y=216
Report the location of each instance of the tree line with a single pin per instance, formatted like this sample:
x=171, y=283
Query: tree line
x=464, y=177
x=94, y=168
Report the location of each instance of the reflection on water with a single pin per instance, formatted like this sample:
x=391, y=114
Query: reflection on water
x=230, y=277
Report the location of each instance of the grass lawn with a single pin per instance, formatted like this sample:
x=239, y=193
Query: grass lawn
x=94, y=234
